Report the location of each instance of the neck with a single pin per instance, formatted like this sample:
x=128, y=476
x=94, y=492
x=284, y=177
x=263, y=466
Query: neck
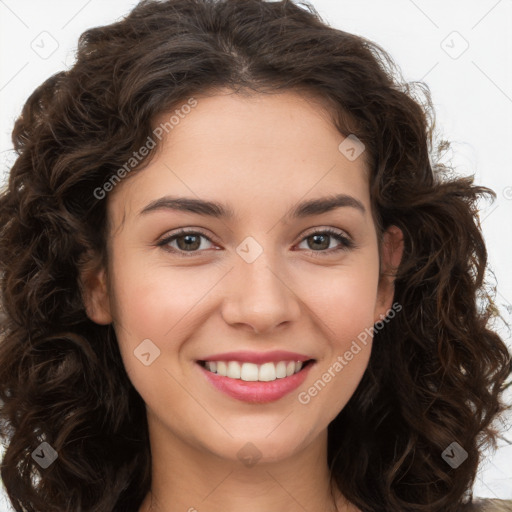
x=193, y=479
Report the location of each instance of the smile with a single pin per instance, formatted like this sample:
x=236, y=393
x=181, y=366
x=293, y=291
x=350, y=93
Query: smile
x=251, y=372
x=255, y=383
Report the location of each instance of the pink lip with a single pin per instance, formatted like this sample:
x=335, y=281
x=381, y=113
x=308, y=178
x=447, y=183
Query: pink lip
x=256, y=392
x=246, y=356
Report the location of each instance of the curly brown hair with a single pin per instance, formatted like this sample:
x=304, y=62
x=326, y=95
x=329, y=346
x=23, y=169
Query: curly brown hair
x=436, y=373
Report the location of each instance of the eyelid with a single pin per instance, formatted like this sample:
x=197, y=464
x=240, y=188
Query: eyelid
x=326, y=229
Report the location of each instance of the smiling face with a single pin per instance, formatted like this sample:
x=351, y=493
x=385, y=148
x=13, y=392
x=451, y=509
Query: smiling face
x=220, y=246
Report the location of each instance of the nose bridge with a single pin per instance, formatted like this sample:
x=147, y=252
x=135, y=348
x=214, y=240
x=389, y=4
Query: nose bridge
x=258, y=294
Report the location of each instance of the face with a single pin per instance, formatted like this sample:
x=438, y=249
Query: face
x=269, y=275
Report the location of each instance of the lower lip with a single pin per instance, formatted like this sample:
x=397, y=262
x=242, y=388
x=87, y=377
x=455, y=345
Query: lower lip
x=257, y=392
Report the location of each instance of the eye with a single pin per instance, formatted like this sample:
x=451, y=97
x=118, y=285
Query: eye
x=185, y=241
x=188, y=241
x=320, y=241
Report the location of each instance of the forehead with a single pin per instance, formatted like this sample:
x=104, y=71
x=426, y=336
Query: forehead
x=258, y=149
x=275, y=121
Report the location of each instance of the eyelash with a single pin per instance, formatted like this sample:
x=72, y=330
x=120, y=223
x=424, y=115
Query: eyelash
x=345, y=243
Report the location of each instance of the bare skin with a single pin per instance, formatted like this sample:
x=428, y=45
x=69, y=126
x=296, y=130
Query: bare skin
x=260, y=156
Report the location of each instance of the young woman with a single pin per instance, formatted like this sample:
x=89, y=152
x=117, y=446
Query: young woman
x=234, y=277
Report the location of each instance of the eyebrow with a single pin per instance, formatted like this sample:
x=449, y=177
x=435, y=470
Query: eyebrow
x=218, y=210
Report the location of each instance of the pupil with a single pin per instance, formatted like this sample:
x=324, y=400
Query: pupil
x=318, y=238
x=189, y=242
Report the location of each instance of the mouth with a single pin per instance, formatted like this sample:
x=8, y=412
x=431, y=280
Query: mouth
x=255, y=383
x=252, y=372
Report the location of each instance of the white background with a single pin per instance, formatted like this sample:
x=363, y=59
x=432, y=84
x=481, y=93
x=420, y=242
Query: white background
x=471, y=89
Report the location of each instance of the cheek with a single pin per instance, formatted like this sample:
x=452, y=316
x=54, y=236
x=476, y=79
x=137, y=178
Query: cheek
x=153, y=301
x=346, y=321
x=335, y=381
x=161, y=304
x=344, y=303
x=145, y=310
x=343, y=298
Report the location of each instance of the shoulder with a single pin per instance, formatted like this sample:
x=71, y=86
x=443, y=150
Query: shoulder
x=484, y=505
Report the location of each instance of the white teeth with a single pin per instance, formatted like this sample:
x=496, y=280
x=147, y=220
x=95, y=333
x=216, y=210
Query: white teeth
x=233, y=370
x=281, y=369
x=221, y=368
x=251, y=372
x=267, y=372
x=211, y=365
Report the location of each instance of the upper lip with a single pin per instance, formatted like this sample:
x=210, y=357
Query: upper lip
x=258, y=357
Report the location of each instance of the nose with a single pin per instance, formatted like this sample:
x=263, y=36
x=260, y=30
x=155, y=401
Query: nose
x=258, y=296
